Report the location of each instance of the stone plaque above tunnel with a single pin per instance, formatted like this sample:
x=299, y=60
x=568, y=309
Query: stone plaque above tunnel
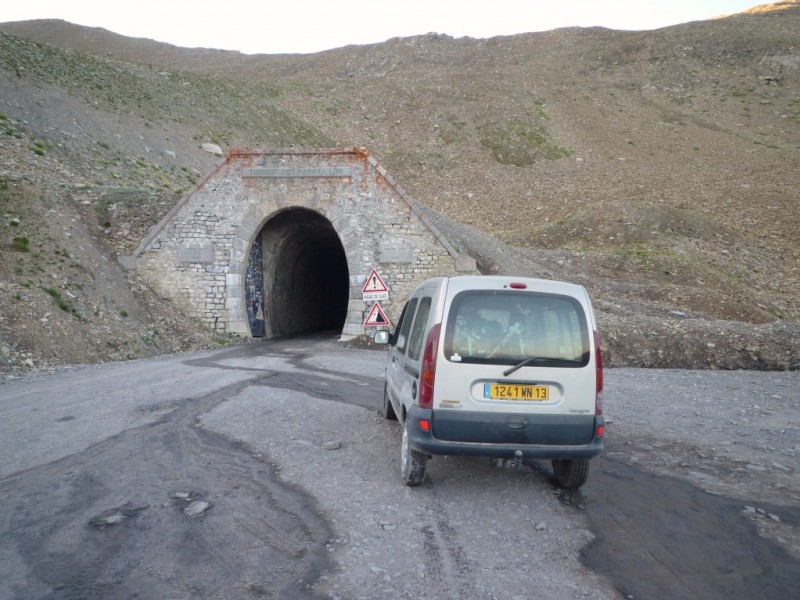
x=202, y=252
x=394, y=252
x=322, y=218
x=297, y=172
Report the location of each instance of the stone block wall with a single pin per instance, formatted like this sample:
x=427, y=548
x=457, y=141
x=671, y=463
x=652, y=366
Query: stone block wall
x=198, y=254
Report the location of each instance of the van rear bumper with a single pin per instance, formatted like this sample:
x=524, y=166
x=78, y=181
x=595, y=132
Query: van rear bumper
x=501, y=435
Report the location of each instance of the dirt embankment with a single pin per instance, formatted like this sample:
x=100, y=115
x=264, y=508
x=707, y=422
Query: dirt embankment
x=658, y=169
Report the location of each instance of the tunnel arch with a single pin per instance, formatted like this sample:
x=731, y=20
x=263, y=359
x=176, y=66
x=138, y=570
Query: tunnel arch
x=298, y=201
x=306, y=279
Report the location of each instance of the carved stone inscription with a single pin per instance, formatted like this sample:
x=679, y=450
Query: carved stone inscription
x=395, y=252
x=197, y=252
x=297, y=172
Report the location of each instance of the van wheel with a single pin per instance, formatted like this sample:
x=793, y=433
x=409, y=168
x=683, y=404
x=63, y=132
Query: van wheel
x=386, y=410
x=571, y=473
x=412, y=463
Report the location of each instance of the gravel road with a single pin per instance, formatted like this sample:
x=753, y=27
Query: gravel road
x=484, y=526
x=696, y=496
x=475, y=530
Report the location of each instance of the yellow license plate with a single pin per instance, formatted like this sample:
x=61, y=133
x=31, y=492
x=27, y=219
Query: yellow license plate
x=513, y=391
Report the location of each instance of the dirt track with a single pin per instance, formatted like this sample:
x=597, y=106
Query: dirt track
x=283, y=442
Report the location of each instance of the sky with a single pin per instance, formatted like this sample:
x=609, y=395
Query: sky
x=306, y=26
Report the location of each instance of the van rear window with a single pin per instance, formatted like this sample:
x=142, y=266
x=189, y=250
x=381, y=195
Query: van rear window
x=507, y=327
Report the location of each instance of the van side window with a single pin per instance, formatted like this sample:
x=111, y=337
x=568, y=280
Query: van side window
x=405, y=324
x=415, y=346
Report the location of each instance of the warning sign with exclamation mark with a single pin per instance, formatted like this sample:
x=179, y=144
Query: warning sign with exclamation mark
x=375, y=288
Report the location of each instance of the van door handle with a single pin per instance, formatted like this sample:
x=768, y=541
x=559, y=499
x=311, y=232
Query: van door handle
x=516, y=422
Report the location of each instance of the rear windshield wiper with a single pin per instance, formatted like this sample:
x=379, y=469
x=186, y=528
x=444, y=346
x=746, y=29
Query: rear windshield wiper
x=533, y=359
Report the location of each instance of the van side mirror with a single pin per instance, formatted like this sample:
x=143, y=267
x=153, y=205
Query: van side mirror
x=382, y=337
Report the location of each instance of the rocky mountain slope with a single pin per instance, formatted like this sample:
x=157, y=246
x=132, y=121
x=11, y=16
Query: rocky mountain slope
x=659, y=169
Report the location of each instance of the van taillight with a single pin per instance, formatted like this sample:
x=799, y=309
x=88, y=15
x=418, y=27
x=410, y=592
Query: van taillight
x=428, y=372
x=598, y=361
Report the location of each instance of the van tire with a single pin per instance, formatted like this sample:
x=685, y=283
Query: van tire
x=571, y=473
x=387, y=410
x=412, y=463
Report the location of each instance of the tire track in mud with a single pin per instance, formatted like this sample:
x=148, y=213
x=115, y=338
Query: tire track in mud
x=445, y=559
x=68, y=533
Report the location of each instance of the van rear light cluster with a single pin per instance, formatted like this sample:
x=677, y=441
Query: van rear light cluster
x=427, y=377
x=598, y=360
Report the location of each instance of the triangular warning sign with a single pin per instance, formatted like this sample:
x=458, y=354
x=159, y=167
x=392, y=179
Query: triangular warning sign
x=376, y=317
x=374, y=283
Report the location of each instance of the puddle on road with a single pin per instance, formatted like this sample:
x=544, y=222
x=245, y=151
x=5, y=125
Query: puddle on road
x=660, y=537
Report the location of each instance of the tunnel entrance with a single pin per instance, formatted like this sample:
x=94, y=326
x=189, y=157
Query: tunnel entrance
x=281, y=242
x=306, y=281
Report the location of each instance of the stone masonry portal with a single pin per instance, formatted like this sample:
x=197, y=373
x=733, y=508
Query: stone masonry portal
x=281, y=242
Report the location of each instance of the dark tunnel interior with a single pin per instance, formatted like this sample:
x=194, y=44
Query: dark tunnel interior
x=306, y=278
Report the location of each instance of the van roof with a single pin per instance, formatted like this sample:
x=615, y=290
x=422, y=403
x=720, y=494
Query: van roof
x=478, y=282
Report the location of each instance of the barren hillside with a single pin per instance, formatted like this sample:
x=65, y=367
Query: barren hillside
x=659, y=169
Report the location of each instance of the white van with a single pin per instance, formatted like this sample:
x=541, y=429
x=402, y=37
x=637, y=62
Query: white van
x=506, y=367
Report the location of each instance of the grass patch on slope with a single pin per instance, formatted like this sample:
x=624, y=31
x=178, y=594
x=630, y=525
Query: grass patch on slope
x=212, y=105
x=515, y=142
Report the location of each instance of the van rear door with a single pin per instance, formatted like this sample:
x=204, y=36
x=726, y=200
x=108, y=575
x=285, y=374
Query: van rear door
x=528, y=351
